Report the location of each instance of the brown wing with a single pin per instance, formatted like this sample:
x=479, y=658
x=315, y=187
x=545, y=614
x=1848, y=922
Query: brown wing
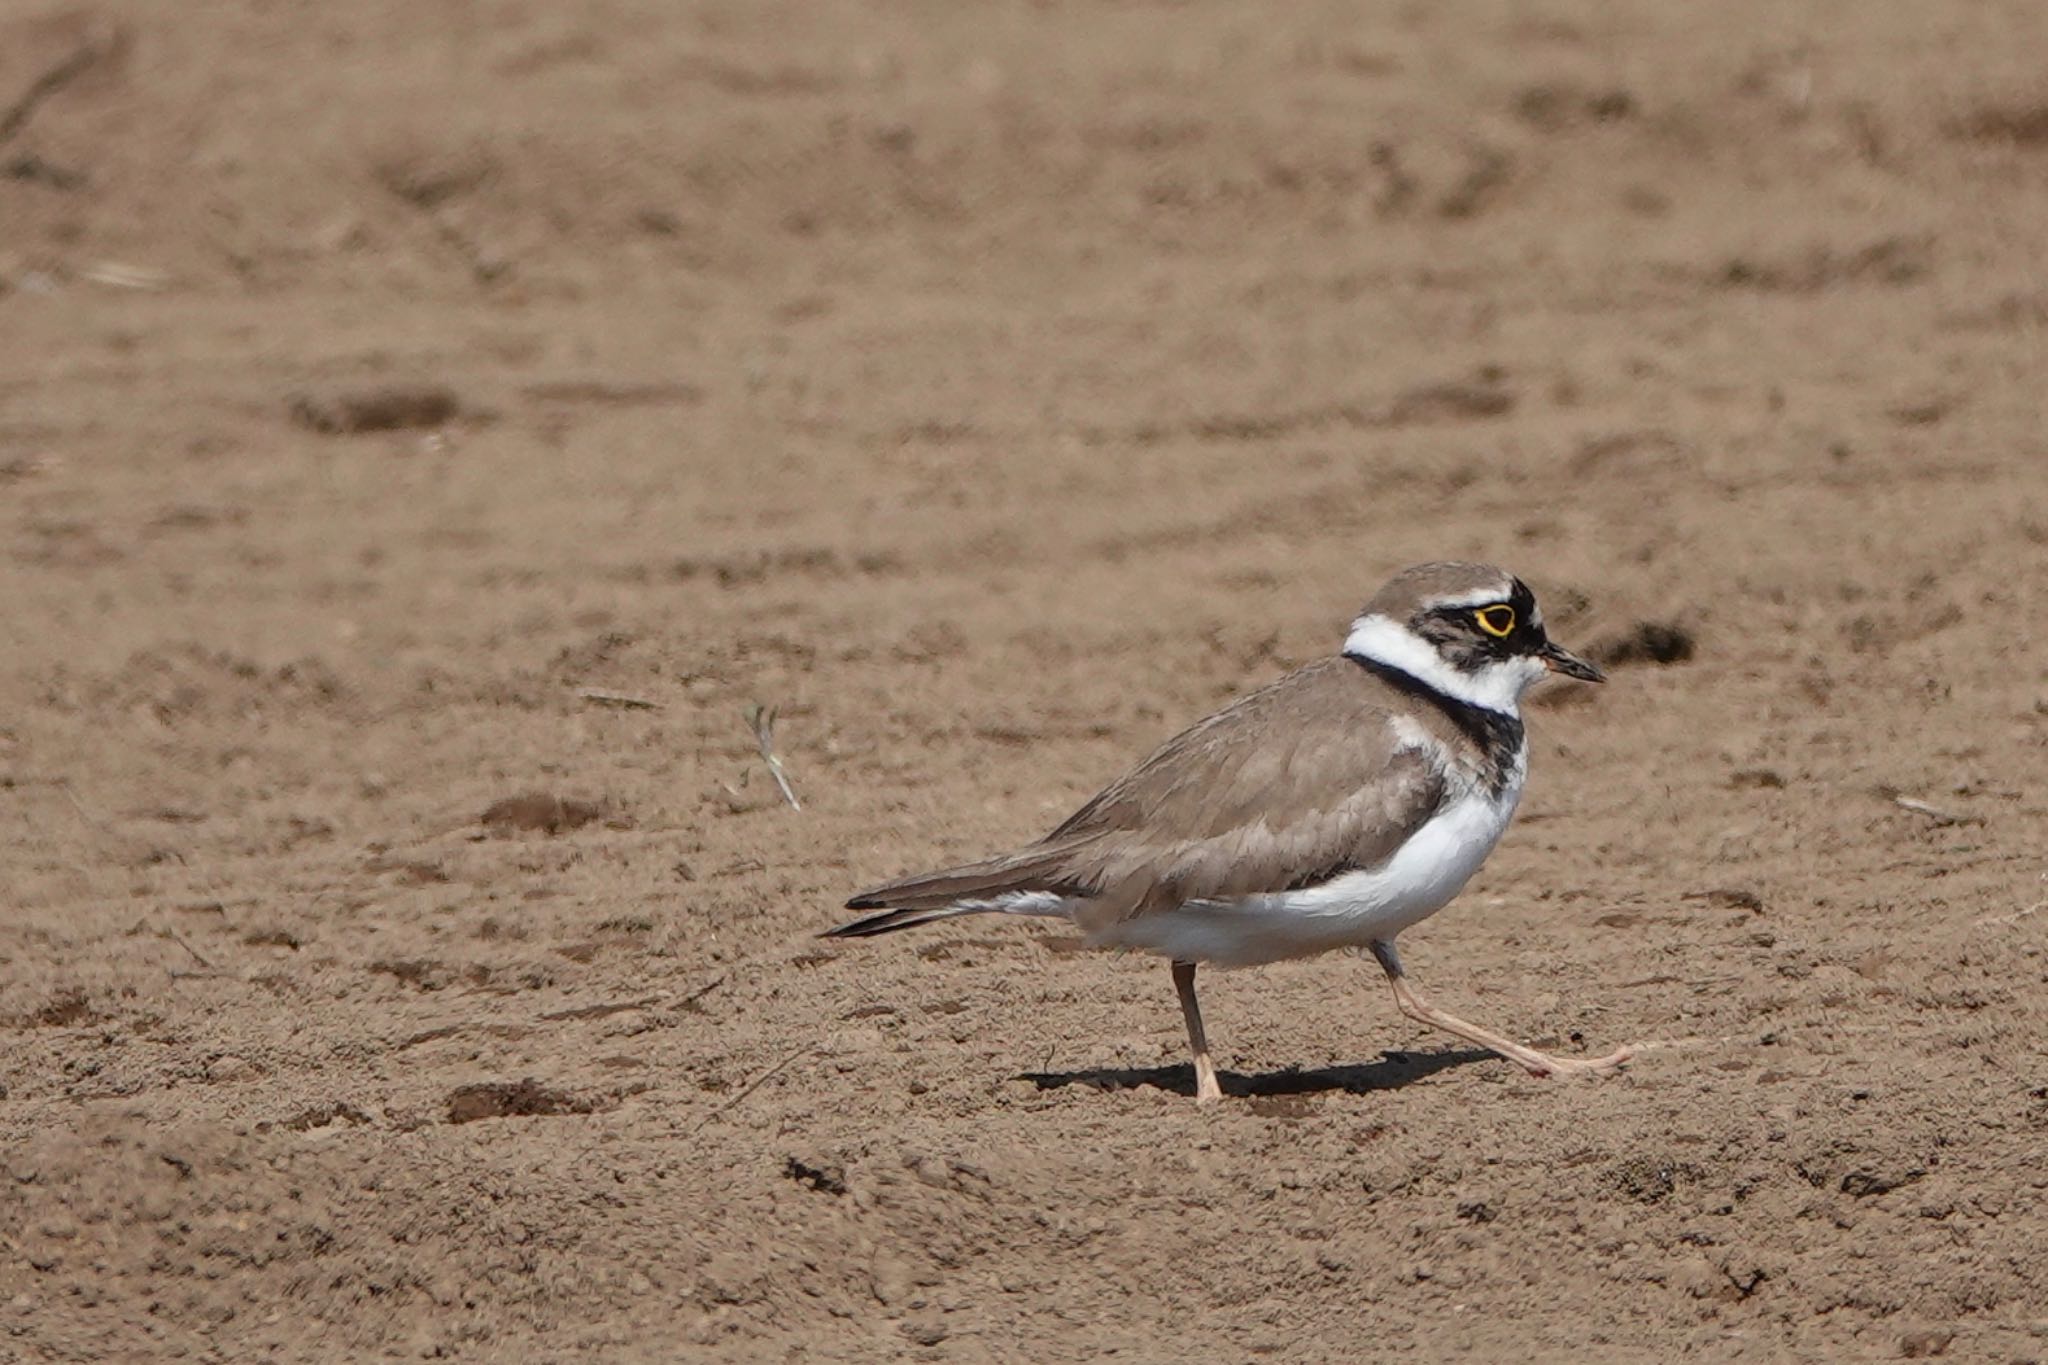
x=1288, y=787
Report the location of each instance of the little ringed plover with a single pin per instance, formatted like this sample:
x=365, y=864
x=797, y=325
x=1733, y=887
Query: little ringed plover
x=1331, y=809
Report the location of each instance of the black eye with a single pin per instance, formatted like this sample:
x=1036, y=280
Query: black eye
x=1497, y=621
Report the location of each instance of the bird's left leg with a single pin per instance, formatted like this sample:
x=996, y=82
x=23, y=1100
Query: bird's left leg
x=1413, y=1004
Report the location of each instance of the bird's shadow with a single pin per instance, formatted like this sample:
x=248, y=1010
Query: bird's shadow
x=1391, y=1072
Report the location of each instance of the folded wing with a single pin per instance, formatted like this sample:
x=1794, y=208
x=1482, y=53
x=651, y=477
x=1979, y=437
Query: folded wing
x=1294, y=784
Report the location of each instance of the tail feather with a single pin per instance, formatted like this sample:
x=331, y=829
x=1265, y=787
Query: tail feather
x=1031, y=869
x=971, y=889
x=889, y=921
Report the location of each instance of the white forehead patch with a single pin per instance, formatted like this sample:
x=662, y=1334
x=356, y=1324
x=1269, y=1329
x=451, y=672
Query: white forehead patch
x=1482, y=597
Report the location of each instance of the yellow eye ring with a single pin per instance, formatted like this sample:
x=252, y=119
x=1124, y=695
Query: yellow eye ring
x=1497, y=621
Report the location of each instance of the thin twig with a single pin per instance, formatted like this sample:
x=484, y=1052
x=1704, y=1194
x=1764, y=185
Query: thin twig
x=174, y=936
x=1934, y=813
x=755, y=1084
x=761, y=720
x=120, y=275
x=2014, y=918
x=17, y=114
x=1666, y=980
x=598, y=697
x=63, y=784
x=694, y=996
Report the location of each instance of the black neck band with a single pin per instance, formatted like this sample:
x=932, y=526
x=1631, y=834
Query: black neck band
x=1498, y=734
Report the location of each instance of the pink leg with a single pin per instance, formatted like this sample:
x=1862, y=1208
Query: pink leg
x=1416, y=1007
x=1207, y=1091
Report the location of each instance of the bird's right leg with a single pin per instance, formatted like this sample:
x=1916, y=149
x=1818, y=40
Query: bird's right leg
x=1207, y=1091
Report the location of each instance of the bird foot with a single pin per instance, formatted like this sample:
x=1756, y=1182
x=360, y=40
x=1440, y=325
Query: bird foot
x=1542, y=1065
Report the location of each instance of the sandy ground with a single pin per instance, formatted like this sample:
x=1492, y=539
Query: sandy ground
x=992, y=389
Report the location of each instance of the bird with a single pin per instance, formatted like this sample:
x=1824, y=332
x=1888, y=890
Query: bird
x=1331, y=809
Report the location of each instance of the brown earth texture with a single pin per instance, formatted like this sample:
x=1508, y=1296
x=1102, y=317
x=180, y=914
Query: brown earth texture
x=429, y=431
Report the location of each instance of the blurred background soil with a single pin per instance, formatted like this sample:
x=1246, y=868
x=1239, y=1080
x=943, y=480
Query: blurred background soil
x=426, y=429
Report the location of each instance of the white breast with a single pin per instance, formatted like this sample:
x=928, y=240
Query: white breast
x=1348, y=911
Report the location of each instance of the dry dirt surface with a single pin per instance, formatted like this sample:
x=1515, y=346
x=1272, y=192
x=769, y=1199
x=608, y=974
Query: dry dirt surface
x=428, y=430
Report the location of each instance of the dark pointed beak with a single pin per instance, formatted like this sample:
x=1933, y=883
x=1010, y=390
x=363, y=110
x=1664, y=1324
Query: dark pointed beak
x=1558, y=659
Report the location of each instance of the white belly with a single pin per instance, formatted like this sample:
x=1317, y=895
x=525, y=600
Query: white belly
x=1349, y=911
